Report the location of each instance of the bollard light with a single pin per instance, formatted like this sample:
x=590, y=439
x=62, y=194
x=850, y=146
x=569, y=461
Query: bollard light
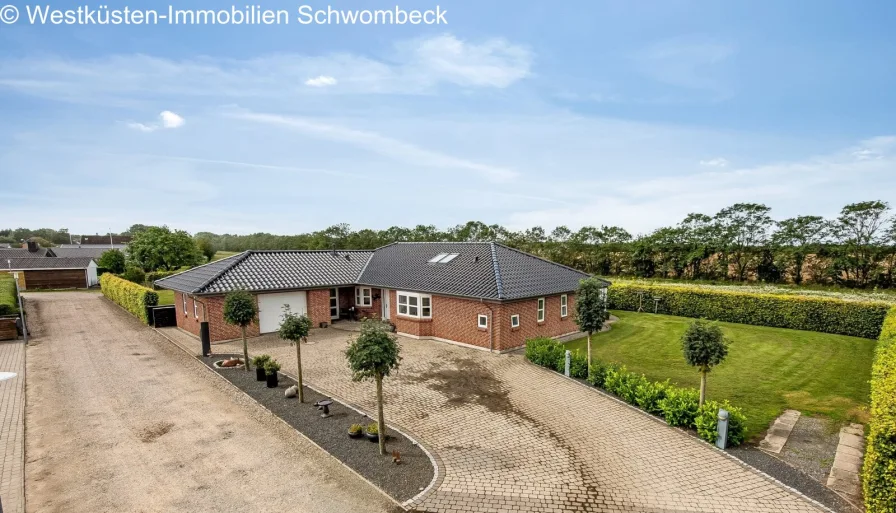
x=568, y=361
x=722, y=440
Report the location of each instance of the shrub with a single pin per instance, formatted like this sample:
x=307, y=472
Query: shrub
x=707, y=422
x=7, y=310
x=545, y=352
x=130, y=296
x=373, y=428
x=598, y=373
x=355, y=429
x=649, y=394
x=879, y=471
x=680, y=406
x=260, y=360
x=619, y=381
x=811, y=313
x=271, y=367
x=134, y=275
x=578, y=365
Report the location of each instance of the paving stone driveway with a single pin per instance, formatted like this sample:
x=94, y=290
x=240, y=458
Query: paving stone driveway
x=514, y=437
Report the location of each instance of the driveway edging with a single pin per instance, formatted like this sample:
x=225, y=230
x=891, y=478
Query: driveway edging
x=683, y=433
x=438, y=475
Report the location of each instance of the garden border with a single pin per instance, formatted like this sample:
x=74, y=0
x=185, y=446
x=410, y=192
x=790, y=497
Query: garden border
x=438, y=473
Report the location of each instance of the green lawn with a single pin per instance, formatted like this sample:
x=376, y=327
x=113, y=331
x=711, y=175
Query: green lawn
x=223, y=254
x=767, y=370
x=166, y=297
x=8, y=291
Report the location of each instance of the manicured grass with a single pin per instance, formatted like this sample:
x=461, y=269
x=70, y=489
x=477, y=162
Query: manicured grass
x=166, y=297
x=224, y=254
x=8, y=291
x=767, y=370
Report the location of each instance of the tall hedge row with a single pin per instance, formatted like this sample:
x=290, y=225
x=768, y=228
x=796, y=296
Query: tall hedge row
x=810, y=313
x=879, y=472
x=130, y=296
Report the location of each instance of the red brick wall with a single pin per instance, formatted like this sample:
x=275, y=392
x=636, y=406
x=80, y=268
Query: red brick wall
x=527, y=309
x=212, y=309
x=319, y=306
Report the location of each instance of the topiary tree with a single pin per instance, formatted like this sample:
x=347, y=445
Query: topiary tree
x=240, y=310
x=704, y=346
x=591, y=309
x=112, y=260
x=373, y=354
x=295, y=328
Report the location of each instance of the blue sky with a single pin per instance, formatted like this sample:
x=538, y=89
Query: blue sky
x=519, y=113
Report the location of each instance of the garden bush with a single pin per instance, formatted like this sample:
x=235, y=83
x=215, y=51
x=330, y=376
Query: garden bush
x=545, y=352
x=134, y=275
x=680, y=406
x=130, y=296
x=810, y=313
x=707, y=422
x=879, y=471
x=649, y=394
x=598, y=373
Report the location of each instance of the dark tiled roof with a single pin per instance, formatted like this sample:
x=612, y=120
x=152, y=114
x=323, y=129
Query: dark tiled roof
x=271, y=270
x=19, y=264
x=481, y=270
x=105, y=246
x=24, y=253
x=85, y=251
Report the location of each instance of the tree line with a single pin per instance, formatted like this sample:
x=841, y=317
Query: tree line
x=739, y=243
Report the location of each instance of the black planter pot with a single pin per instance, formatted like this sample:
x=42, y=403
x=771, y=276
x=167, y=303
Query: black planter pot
x=272, y=380
x=373, y=437
x=359, y=434
x=260, y=374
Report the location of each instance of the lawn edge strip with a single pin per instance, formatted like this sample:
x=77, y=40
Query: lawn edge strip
x=685, y=433
x=438, y=474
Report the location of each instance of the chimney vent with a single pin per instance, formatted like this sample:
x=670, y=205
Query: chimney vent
x=33, y=246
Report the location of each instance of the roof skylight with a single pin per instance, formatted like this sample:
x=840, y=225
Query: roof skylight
x=437, y=257
x=443, y=258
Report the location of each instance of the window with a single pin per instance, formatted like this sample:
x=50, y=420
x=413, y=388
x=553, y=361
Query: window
x=540, y=309
x=416, y=305
x=184, y=296
x=483, y=321
x=363, y=296
x=564, y=305
x=515, y=321
x=443, y=258
x=195, y=308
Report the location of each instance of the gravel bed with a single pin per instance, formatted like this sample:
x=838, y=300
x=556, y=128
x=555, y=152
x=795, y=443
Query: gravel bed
x=812, y=445
x=401, y=482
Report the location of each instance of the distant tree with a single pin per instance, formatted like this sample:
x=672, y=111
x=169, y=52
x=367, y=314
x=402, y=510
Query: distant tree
x=42, y=242
x=859, y=230
x=161, y=248
x=591, y=309
x=704, y=346
x=134, y=274
x=744, y=228
x=295, y=328
x=240, y=310
x=373, y=354
x=797, y=237
x=113, y=260
x=206, y=248
x=135, y=229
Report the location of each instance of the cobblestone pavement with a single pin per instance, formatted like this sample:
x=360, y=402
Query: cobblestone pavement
x=12, y=427
x=514, y=437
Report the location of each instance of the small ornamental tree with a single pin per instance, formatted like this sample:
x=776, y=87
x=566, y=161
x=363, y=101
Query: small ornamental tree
x=591, y=309
x=295, y=328
x=112, y=260
x=704, y=346
x=373, y=354
x=240, y=310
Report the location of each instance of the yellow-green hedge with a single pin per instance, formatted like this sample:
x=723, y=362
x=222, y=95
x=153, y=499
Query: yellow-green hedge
x=132, y=297
x=811, y=313
x=879, y=472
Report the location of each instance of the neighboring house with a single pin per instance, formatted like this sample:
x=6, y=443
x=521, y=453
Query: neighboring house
x=52, y=273
x=105, y=246
x=91, y=251
x=31, y=250
x=4, y=245
x=106, y=240
x=484, y=294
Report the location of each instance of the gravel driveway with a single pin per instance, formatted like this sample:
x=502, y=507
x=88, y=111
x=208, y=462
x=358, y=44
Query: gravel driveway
x=118, y=419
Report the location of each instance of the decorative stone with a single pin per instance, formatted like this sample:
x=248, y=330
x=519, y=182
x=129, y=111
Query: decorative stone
x=292, y=391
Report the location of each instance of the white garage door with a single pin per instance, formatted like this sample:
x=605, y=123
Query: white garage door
x=270, y=308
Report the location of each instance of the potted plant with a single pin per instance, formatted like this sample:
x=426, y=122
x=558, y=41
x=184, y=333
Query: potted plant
x=270, y=368
x=356, y=431
x=373, y=432
x=258, y=362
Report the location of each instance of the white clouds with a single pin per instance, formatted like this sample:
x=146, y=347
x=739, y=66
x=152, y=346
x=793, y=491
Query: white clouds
x=493, y=63
x=689, y=63
x=321, y=81
x=167, y=120
x=716, y=162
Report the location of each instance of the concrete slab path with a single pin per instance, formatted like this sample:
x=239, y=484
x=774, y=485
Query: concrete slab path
x=779, y=432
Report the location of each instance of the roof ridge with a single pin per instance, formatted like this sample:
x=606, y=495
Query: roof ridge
x=242, y=256
x=309, y=251
x=497, y=268
x=199, y=266
x=542, y=259
x=358, y=278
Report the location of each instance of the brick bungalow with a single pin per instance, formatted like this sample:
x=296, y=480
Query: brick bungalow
x=480, y=294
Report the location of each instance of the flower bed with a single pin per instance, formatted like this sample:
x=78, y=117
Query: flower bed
x=401, y=482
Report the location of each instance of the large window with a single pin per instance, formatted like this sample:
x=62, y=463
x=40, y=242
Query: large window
x=564, y=305
x=363, y=296
x=412, y=304
x=540, y=309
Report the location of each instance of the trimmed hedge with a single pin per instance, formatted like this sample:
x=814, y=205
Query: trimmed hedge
x=810, y=313
x=130, y=296
x=879, y=471
x=678, y=406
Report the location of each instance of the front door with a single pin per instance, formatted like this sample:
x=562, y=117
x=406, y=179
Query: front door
x=334, y=304
x=385, y=303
